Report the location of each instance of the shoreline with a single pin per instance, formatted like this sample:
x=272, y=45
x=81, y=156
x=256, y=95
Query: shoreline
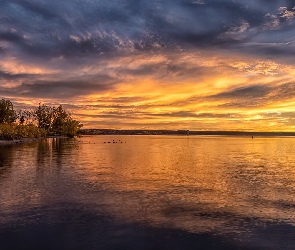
x=23, y=140
x=26, y=140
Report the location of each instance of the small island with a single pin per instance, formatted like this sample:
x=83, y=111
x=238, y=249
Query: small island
x=38, y=122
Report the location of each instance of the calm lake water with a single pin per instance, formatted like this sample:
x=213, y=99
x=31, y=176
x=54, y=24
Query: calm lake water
x=148, y=192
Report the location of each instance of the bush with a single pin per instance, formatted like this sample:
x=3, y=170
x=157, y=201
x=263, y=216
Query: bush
x=50, y=120
x=13, y=131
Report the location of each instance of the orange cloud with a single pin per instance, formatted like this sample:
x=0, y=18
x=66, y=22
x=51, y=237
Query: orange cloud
x=181, y=90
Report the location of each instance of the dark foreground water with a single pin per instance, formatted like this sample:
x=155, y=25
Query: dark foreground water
x=148, y=192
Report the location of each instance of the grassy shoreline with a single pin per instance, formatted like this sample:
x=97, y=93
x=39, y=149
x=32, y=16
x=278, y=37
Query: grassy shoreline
x=27, y=140
x=18, y=132
x=23, y=140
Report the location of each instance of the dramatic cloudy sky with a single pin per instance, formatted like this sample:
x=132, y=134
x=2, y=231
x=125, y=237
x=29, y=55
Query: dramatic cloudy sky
x=157, y=64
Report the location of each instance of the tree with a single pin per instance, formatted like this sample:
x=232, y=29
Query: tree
x=63, y=123
x=44, y=116
x=60, y=117
x=56, y=121
x=7, y=113
x=71, y=127
x=22, y=124
x=25, y=117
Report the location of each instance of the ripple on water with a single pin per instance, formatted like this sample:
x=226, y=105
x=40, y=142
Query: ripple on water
x=232, y=191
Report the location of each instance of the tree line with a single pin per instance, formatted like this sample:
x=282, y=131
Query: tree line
x=37, y=122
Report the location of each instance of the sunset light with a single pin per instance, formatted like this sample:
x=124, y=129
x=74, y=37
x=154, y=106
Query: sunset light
x=147, y=124
x=198, y=65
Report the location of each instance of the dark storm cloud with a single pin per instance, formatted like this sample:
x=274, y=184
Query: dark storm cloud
x=284, y=92
x=9, y=76
x=251, y=92
x=81, y=28
x=255, y=96
x=59, y=89
x=11, y=37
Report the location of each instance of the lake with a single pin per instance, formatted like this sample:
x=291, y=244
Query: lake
x=148, y=192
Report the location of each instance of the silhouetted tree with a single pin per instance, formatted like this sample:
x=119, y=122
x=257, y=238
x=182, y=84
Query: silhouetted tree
x=44, y=116
x=71, y=127
x=60, y=117
x=63, y=123
x=7, y=113
x=56, y=121
x=25, y=117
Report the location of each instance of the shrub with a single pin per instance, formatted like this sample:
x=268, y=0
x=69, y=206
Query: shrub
x=13, y=131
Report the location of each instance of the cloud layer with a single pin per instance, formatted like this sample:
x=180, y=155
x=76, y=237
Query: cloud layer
x=153, y=64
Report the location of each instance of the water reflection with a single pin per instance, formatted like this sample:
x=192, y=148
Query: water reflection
x=188, y=183
x=53, y=152
x=6, y=158
x=237, y=191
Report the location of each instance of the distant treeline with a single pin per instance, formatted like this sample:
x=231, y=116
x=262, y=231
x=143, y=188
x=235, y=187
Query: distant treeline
x=38, y=122
x=181, y=132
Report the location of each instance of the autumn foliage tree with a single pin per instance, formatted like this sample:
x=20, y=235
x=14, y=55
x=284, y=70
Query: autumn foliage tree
x=44, y=116
x=43, y=120
x=56, y=121
x=60, y=118
x=7, y=113
x=10, y=129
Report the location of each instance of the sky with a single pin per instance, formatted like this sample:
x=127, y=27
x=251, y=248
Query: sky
x=157, y=64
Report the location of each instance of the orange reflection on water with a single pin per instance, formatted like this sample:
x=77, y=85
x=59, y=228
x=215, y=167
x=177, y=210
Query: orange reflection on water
x=196, y=183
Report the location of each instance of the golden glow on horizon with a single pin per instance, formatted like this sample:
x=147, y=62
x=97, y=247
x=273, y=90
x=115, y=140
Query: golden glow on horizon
x=196, y=91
